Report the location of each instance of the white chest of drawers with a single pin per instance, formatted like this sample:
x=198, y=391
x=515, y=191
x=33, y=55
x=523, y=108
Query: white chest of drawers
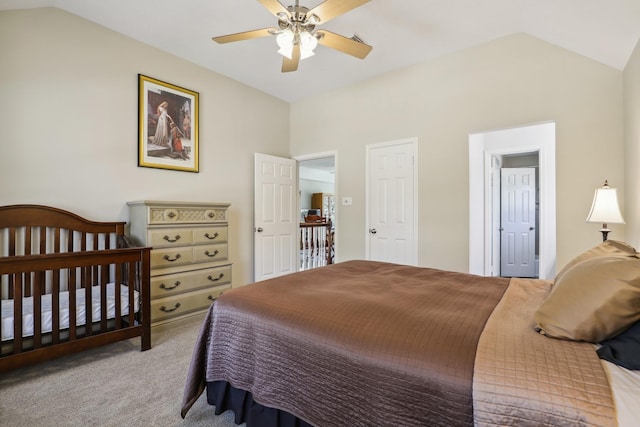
x=190, y=263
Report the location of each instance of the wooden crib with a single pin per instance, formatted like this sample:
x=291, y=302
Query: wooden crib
x=69, y=279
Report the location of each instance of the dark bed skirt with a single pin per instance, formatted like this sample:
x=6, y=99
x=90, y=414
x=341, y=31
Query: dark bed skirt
x=226, y=397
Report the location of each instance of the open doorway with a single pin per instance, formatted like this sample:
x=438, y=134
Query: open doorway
x=317, y=201
x=484, y=149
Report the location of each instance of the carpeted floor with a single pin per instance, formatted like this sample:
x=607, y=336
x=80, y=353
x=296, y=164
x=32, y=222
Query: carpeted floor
x=115, y=385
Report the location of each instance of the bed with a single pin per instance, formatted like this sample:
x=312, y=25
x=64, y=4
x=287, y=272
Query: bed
x=363, y=343
x=67, y=284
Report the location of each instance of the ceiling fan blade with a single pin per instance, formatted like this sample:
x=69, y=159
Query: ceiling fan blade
x=289, y=65
x=344, y=44
x=329, y=9
x=246, y=35
x=275, y=7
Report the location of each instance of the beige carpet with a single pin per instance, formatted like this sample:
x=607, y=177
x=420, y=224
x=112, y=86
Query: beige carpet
x=115, y=385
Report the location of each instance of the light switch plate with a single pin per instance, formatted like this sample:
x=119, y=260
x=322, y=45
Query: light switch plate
x=347, y=201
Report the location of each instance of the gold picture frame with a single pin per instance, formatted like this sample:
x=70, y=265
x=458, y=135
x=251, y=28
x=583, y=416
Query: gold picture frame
x=167, y=126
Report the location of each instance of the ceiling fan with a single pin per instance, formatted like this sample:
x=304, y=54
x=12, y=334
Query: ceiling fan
x=296, y=32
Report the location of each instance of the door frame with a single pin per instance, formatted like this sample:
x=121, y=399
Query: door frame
x=313, y=156
x=540, y=138
x=413, y=142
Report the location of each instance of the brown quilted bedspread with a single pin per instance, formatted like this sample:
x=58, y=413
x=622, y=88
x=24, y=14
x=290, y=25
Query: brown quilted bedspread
x=523, y=378
x=358, y=343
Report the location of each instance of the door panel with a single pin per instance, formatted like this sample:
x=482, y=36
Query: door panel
x=275, y=218
x=518, y=197
x=391, y=203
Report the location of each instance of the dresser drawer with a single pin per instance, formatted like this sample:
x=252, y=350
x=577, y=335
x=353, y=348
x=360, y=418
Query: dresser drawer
x=172, y=284
x=205, y=235
x=177, y=305
x=167, y=237
x=171, y=257
x=207, y=253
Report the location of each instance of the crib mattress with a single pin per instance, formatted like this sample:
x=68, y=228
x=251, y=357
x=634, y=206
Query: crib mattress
x=6, y=325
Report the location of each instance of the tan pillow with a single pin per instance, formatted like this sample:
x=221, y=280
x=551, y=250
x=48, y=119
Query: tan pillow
x=608, y=247
x=594, y=300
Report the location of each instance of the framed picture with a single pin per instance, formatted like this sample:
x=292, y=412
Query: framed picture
x=167, y=126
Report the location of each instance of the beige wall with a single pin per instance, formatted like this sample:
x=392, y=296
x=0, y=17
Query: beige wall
x=632, y=147
x=69, y=125
x=512, y=81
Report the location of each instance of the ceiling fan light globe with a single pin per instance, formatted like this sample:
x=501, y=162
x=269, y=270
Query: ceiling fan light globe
x=313, y=19
x=285, y=43
x=287, y=53
x=304, y=53
x=308, y=41
x=285, y=39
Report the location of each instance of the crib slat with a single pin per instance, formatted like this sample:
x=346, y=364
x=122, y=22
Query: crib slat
x=27, y=241
x=12, y=241
x=94, y=276
x=116, y=294
x=27, y=251
x=43, y=239
x=73, y=310
x=11, y=252
x=103, y=297
x=55, y=307
x=88, y=312
x=133, y=285
x=56, y=240
x=70, y=235
x=37, y=310
x=17, y=313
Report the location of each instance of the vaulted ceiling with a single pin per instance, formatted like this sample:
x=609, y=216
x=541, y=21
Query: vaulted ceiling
x=402, y=33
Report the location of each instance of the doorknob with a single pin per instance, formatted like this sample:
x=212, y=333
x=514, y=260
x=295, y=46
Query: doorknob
x=259, y=230
x=531, y=228
x=373, y=231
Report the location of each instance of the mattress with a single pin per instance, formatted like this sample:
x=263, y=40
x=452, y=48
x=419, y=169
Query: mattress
x=6, y=326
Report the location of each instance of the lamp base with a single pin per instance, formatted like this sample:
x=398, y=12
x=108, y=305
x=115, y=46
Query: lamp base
x=605, y=232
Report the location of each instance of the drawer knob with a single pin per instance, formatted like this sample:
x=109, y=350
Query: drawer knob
x=168, y=258
x=215, y=279
x=210, y=237
x=170, y=240
x=175, y=285
x=211, y=255
x=169, y=310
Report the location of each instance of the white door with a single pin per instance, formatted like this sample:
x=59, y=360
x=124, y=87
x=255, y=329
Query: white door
x=275, y=216
x=518, y=209
x=391, y=202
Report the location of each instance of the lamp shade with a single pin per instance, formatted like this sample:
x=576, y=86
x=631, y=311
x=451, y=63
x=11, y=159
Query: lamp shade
x=605, y=207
